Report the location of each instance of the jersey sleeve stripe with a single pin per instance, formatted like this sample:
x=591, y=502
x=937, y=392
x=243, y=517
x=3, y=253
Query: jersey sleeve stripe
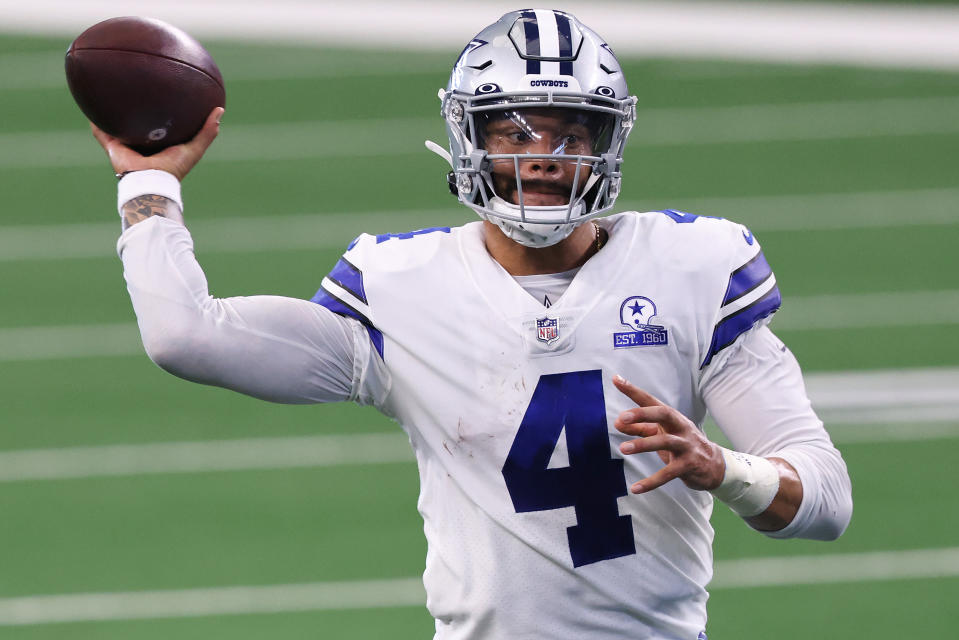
x=349, y=277
x=739, y=322
x=329, y=300
x=747, y=277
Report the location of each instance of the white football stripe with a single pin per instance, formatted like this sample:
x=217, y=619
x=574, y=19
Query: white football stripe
x=826, y=312
x=812, y=33
x=797, y=212
x=921, y=404
x=693, y=126
x=862, y=310
x=185, y=603
x=408, y=592
x=831, y=568
x=204, y=457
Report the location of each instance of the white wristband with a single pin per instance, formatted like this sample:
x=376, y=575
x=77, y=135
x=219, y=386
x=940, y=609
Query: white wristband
x=749, y=485
x=148, y=182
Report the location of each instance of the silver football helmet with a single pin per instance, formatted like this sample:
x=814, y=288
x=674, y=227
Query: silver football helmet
x=537, y=112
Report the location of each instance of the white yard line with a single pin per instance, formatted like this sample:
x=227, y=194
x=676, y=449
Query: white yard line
x=864, y=310
x=802, y=313
x=408, y=592
x=883, y=406
x=794, y=212
x=836, y=568
x=69, y=341
x=200, y=457
x=383, y=137
x=186, y=603
x=886, y=35
x=22, y=70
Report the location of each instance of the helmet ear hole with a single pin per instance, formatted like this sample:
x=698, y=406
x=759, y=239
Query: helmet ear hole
x=451, y=183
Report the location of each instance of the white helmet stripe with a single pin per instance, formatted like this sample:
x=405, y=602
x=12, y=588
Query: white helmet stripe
x=548, y=40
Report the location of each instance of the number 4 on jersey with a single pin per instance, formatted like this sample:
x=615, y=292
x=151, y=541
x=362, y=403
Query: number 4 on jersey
x=593, y=480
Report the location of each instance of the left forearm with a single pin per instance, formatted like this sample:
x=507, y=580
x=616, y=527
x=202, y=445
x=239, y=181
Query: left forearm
x=785, y=505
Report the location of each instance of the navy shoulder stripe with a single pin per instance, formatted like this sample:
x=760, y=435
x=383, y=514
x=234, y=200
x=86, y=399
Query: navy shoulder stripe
x=326, y=299
x=747, y=277
x=738, y=323
x=751, y=295
x=348, y=276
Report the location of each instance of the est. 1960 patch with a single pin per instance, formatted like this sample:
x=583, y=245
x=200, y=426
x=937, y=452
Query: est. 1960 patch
x=636, y=313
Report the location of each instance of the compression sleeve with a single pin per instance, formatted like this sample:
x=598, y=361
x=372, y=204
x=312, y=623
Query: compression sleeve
x=759, y=401
x=270, y=347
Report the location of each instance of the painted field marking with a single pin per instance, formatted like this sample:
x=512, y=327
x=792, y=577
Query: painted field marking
x=885, y=406
x=809, y=33
x=202, y=457
x=222, y=234
x=830, y=568
x=408, y=592
x=381, y=137
x=185, y=603
x=825, y=312
x=22, y=70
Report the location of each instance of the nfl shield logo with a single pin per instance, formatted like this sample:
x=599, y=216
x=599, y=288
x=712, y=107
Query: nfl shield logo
x=547, y=330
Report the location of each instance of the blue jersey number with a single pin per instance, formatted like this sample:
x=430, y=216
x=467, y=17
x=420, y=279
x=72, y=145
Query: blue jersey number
x=592, y=481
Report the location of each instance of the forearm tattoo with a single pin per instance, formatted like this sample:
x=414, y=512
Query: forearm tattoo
x=145, y=207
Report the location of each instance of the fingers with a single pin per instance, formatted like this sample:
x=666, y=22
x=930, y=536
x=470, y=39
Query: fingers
x=655, y=481
x=634, y=393
x=658, y=442
x=666, y=418
x=211, y=128
x=122, y=157
x=177, y=160
x=102, y=136
x=684, y=450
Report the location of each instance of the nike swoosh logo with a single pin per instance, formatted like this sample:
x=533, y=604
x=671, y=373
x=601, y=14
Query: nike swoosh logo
x=748, y=235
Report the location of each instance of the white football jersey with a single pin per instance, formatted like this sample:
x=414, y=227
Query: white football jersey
x=509, y=406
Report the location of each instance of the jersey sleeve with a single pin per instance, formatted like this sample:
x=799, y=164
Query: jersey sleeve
x=270, y=347
x=342, y=291
x=750, y=295
x=759, y=401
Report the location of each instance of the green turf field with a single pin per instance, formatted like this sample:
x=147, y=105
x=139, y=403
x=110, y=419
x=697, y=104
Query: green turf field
x=847, y=177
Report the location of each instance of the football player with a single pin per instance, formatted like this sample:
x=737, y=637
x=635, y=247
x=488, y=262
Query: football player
x=551, y=364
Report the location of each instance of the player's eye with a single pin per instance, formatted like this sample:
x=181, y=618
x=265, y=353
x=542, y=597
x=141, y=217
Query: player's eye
x=573, y=143
x=519, y=138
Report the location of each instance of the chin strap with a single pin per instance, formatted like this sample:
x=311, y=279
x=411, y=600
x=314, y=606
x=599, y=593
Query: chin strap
x=531, y=233
x=440, y=151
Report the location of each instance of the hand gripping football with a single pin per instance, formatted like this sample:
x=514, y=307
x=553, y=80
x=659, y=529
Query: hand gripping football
x=143, y=81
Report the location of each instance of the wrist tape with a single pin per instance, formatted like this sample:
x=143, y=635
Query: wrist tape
x=749, y=485
x=148, y=182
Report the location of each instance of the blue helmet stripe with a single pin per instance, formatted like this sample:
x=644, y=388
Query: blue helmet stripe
x=326, y=299
x=747, y=277
x=345, y=274
x=531, y=28
x=565, y=43
x=733, y=326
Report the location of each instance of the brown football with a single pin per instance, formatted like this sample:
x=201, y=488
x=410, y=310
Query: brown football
x=144, y=81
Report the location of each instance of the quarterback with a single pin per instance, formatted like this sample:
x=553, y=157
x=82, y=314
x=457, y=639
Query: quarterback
x=566, y=481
